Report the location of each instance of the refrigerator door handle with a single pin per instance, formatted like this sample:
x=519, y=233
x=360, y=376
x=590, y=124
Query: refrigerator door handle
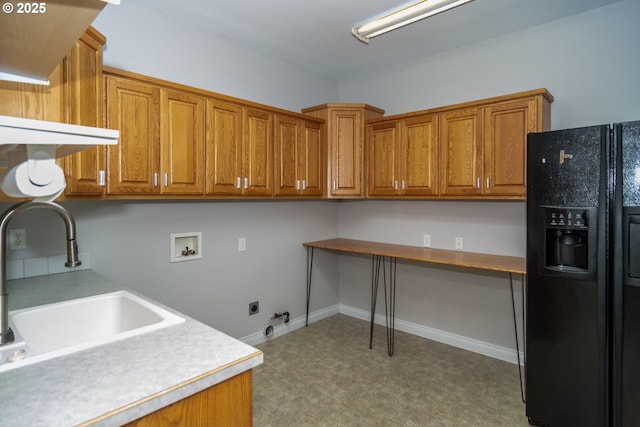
x=564, y=156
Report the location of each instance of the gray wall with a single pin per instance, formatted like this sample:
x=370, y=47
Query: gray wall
x=587, y=61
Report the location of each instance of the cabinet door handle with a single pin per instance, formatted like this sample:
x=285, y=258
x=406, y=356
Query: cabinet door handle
x=335, y=185
x=102, y=178
x=246, y=182
x=488, y=182
x=155, y=179
x=304, y=184
x=403, y=185
x=297, y=184
x=238, y=182
x=478, y=183
x=166, y=179
x=395, y=185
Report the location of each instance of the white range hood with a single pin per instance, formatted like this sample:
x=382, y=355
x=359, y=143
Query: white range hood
x=35, y=36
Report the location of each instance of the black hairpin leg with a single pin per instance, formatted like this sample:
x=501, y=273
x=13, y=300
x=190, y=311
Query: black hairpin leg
x=515, y=328
x=390, y=304
x=375, y=278
x=309, y=271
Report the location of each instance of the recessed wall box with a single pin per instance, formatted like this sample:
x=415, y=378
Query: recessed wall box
x=186, y=246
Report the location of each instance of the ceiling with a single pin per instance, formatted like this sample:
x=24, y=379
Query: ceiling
x=316, y=34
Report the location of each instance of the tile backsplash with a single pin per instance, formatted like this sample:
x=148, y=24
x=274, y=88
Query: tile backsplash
x=30, y=267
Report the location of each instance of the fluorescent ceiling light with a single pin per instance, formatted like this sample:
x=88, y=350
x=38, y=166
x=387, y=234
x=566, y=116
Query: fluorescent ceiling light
x=405, y=15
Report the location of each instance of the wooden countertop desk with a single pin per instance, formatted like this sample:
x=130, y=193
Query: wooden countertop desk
x=392, y=252
x=507, y=264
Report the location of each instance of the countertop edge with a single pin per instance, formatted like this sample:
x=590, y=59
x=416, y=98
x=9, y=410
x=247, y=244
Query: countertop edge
x=176, y=393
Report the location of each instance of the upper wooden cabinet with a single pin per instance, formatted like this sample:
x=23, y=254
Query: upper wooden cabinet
x=239, y=149
x=472, y=150
x=299, y=159
x=161, y=147
x=182, y=142
x=506, y=125
x=461, y=152
x=344, y=136
x=134, y=109
x=83, y=96
x=402, y=157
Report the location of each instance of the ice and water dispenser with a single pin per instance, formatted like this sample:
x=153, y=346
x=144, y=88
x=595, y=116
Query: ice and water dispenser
x=566, y=239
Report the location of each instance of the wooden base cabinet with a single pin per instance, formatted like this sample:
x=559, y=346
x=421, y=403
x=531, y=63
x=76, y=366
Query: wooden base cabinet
x=344, y=137
x=226, y=404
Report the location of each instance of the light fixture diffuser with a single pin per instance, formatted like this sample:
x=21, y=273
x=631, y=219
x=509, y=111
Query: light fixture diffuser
x=405, y=15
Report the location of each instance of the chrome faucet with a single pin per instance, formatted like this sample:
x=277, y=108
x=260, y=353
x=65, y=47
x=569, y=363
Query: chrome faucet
x=6, y=334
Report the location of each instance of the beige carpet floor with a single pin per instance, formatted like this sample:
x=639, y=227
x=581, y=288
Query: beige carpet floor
x=326, y=375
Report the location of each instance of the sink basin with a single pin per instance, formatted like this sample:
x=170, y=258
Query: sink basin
x=57, y=329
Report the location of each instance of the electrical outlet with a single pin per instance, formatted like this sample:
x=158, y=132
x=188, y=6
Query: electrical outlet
x=18, y=238
x=426, y=240
x=242, y=244
x=459, y=244
x=254, y=308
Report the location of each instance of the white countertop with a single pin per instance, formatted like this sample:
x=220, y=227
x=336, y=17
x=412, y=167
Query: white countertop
x=118, y=382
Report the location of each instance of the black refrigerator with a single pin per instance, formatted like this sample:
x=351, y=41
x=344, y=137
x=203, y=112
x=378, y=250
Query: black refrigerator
x=582, y=347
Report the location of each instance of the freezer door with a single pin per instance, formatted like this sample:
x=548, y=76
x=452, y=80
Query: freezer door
x=625, y=246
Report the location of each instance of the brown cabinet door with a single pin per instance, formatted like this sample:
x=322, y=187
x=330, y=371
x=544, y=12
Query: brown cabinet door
x=229, y=403
x=133, y=164
x=298, y=157
x=82, y=73
x=312, y=159
x=346, y=154
x=182, y=143
x=383, y=163
x=257, y=153
x=461, y=152
x=287, y=156
x=419, y=156
x=223, y=148
x=505, y=146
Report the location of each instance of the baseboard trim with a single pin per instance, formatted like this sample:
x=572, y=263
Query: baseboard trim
x=465, y=343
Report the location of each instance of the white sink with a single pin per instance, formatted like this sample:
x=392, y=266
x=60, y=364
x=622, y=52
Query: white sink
x=58, y=329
